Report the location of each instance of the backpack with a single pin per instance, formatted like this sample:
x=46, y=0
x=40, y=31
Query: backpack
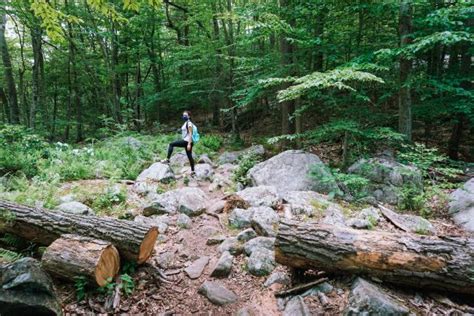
x=195, y=136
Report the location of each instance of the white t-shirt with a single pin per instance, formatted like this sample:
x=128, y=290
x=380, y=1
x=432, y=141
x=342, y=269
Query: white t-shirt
x=184, y=131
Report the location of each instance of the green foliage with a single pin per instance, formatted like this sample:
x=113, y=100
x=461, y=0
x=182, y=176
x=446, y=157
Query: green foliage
x=412, y=199
x=127, y=285
x=9, y=255
x=355, y=184
x=112, y=196
x=246, y=162
x=433, y=165
x=212, y=142
x=80, y=284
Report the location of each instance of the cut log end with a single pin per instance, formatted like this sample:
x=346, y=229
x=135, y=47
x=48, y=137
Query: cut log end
x=108, y=266
x=73, y=256
x=148, y=244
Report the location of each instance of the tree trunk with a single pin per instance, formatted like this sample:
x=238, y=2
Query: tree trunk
x=134, y=241
x=287, y=107
x=404, y=108
x=439, y=263
x=36, y=81
x=73, y=256
x=14, y=112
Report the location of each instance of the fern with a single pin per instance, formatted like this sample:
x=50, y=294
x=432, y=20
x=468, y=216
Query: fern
x=8, y=255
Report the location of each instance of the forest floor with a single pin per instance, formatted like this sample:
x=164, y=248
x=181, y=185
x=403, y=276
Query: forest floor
x=179, y=247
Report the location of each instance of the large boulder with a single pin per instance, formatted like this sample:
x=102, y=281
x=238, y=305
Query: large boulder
x=240, y=218
x=296, y=307
x=190, y=201
x=25, y=289
x=290, y=171
x=367, y=298
x=387, y=178
x=260, y=196
x=461, y=205
x=157, y=172
x=264, y=221
x=233, y=156
x=180, y=159
x=259, y=243
x=204, y=171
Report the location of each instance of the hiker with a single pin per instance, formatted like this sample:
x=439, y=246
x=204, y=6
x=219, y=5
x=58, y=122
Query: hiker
x=188, y=132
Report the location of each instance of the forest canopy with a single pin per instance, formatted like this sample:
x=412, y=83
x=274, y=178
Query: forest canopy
x=72, y=69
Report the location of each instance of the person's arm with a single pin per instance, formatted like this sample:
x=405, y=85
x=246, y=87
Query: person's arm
x=190, y=136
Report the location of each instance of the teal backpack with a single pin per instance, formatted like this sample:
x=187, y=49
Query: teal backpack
x=195, y=135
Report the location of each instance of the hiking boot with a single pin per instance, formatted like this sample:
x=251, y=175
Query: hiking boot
x=166, y=161
x=193, y=174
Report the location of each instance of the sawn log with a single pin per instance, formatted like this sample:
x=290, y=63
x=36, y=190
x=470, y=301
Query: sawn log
x=439, y=263
x=134, y=241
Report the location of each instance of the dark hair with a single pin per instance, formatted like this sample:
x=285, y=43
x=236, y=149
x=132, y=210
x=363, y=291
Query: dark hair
x=188, y=112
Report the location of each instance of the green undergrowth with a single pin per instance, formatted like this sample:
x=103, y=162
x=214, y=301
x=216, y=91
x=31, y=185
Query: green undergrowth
x=34, y=171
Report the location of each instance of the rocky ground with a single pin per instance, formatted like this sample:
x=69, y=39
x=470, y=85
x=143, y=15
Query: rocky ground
x=217, y=248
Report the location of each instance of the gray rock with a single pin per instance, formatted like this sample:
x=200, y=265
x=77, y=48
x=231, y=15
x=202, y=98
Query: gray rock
x=190, y=201
x=254, y=150
x=324, y=287
x=246, y=235
x=75, y=208
x=369, y=299
x=333, y=215
x=217, y=293
x=157, y=172
x=219, y=181
x=205, y=159
x=261, y=262
x=153, y=221
x=260, y=196
x=216, y=206
x=265, y=221
x=302, y=202
x=215, y=240
x=240, y=218
x=209, y=230
x=67, y=198
x=289, y=171
x=259, y=243
x=204, y=171
x=184, y=221
x=231, y=245
x=277, y=277
x=165, y=259
x=461, y=205
x=412, y=223
x=296, y=307
x=25, y=289
x=145, y=188
x=387, y=178
x=223, y=266
x=228, y=157
x=195, y=270
x=180, y=159
x=359, y=223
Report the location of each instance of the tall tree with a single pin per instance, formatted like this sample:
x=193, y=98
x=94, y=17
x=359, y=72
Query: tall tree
x=404, y=99
x=14, y=112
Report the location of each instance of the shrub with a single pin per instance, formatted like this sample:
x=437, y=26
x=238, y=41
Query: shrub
x=246, y=162
x=212, y=142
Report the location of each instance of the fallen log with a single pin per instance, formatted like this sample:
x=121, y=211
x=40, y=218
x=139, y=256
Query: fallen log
x=73, y=256
x=440, y=263
x=134, y=241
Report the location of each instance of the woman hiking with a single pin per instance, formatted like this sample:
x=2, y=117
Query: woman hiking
x=186, y=141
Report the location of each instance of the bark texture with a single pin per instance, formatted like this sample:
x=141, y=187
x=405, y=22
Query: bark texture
x=134, y=241
x=440, y=263
x=73, y=256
